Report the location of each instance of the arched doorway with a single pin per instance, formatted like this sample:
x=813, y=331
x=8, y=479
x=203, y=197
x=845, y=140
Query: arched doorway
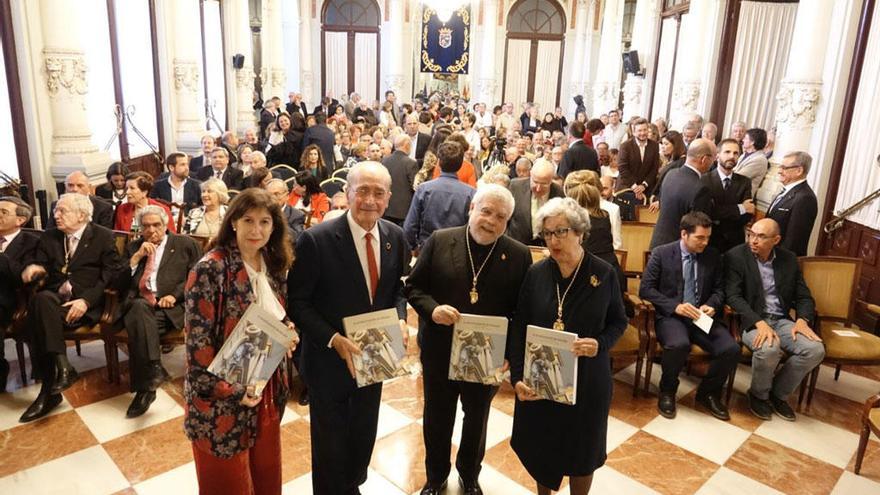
x=533, y=53
x=349, y=33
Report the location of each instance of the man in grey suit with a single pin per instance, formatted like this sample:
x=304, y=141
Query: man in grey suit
x=683, y=192
x=529, y=195
x=403, y=171
x=795, y=207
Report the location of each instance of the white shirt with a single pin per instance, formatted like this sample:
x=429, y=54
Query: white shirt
x=484, y=120
x=157, y=257
x=473, y=139
x=614, y=215
x=9, y=238
x=414, y=142
x=614, y=135
x=76, y=235
x=176, y=195
x=358, y=234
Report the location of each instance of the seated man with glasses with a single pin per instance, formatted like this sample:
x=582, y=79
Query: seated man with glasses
x=764, y=284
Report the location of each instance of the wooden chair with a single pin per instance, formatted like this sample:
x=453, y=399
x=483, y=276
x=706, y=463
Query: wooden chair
x=870, y=422
x=233, y=193
x=16, y=328
x=833, y=283
x=181, y=216
x=168, y=339
x=201, y=240
x=634, y=341
x=645, y=215
x=636, y=237
x=538, y=253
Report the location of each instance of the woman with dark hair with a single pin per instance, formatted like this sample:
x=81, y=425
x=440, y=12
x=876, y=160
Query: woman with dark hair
x=312, y=162
x=236, y=436
x=430, y=161
x=113, y=191
x=672, y=155
x=753, y=163
x=307, y=195
x=137, y=190
x=550, y=123
x=593, y=135
x=285, y=142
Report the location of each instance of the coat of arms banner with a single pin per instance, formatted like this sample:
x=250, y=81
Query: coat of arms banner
x=445, y=45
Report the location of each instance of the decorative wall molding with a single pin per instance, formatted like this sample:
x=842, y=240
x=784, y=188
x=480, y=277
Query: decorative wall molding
x=244, y=78
x=632, y=91
x=186, y=76
x=686, y=96
x=278, y=76
x=394, y=82
x=66, y=70
x=797, y=103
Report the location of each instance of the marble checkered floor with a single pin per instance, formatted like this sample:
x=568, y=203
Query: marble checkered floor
x=88, y=447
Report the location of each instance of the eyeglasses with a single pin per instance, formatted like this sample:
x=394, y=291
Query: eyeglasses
x=788, y=167
x=363, y=192
x=558, y=233
x=760, y=237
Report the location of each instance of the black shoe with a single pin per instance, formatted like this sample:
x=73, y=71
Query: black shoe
x=666, y=405
x=470, y=487
x=760, y=407
x=304, y=398
x=713, y=403
x=4, y=374
x=140, y=404
x=158, y=376
x=41, y=407
x=782, y=409
x=430, y=489
x=65, y=376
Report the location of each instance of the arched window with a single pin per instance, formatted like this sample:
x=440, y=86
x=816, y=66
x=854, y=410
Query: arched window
x=351, y=13
x=350, y=32
x=533, y=53
x=530, y=17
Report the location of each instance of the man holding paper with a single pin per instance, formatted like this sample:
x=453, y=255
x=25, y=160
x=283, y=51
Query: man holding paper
x=346, y=266
x=473, y=269
x=683, y=281
x=764, y=284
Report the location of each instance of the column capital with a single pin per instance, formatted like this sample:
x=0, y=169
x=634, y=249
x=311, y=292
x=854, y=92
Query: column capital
x=686, y=95
x=186, y=76
x=797, y=102
x=244, y=77
x=632, y=91
x=66, y=70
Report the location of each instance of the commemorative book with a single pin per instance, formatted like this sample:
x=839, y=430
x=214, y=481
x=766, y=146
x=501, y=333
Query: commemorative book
x=253, y=350
x=550, y=365
x=377, y=335
x=478, y=349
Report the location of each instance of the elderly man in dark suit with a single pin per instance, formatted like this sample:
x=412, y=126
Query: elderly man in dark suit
x=683, y=280
x=795, y=207
x=158, y=265
x=419, y=141
x=204, y=159
x=440, y=290
x=529, y=195
x=177, y=187
x=732, y=206
x=78, y=183
x=295, y=218
x=403, y=171
x=683, y=192
x=77, y=261
x=370, y=254
x=220, y=169
x=578, y=156
x=638, y=163
x=296, y=104
x=764, y=284
x=322, y=136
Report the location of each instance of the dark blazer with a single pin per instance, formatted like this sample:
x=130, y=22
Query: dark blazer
x=673, y=165
x=520, y=225
x=683, y=192
x=403, y=171
x=195, y=165
x=635, y=170
x=180, y=255
x=105, y=192
x=745, y=292
x=102, y=213
x=327, y=284
x=663, y=282
x=796, y=213
x=422, y=142
x=578, y=156
x=329, y=110
x=192, y=193
x=296, y=221
x=441, y=277
x=18, y=254
x=232, y=177
x=291, y=108
x=92, y=268
x=322, y=136
x=728, y=226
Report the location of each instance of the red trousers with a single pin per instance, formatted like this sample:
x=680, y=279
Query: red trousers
x=255, y=471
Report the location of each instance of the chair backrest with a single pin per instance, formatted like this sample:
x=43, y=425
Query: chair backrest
x=636, y=238
x=643, y=214
x=233, y=193
x=181, y=216
x=833, y=283
x=342, y=173
x=201, y=240
x=621, y=257
x=332, y=186
x=121, y=238
x=538, y=253
x=283, y=171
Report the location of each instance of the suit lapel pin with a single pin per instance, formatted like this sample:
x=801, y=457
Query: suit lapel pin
x=594, y=281
x=387, y=246
x=503, y=256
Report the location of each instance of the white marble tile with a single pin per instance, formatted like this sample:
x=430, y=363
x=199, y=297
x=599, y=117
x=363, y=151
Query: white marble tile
x=850, y=386
x=376, y=484
x=498, y=428
x=181, y=479
x=618, y=432
x=491, y=481
x=825, y=442
x=716, y=441
x=685, y=386
x=106, y=419
x=92, y=356
x=853, y=484
x=289, y=416
x=390, y=420
x=298, y=486
x=729, y=482
x=13, y=405
x=607, y=480
x=175, y=361
x=90, y=471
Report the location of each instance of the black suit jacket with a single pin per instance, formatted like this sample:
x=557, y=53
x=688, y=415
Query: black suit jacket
x=291, y=108
x=422, y=142
x=180, y=255
x=440, y=277
x=327, y=284
x=328, y=111
x=683, y=192
x=322, y=136
x=663, y=282
x=578, y=157
x=296, y=221
x=634, y=169
x=102, y=213
x=796, y=213
x=18, y=254
x=195, y=165
x=403, y=171
x=745, y=292
x=232, y=177
x=192, y=193
x=520, y=225
x=728, y=226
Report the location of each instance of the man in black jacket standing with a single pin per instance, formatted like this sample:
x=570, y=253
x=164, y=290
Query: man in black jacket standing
x=578, y=156
x=403, y=171
x=795, y=207
x=732, y=206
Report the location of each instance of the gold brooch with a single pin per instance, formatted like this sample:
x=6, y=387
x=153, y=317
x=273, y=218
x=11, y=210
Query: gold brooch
x=594, y=281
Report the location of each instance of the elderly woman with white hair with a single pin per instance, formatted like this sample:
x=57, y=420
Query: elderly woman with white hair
x=573, y=291
x=205, y=220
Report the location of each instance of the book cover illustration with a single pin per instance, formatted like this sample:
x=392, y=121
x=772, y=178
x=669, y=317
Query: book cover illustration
x=550, y=365
x=478, y=349
x=377, y=335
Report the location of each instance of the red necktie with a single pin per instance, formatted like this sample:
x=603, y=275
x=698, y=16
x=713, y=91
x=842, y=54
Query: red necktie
x=146, y=293
x=371, y=265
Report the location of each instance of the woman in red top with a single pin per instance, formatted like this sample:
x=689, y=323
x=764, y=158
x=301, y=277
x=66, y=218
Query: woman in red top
x=307, y=195
x=466, y=174
x=137, y=189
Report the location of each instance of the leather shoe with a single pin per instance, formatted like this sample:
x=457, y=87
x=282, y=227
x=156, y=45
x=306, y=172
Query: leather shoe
x=304, y=398
x=782, y=409
x=158, y=376
x=140, y=404
x=470, y=487
x=760, y=408
x=65, y=376
x=666, y=405
x=713, y=403
x=430, y=489
x=4, y=374
x=40, y=407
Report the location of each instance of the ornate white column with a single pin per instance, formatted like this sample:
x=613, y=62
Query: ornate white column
x=273, y=74
x=306, y=75
x=190, y=116
x=690, y=62
x=591, y=43
x=65, y=70
x=394, y=27
x=606, y=89
x=487, y=83
x=576, y=77
x=244, y=77
x=636, y=88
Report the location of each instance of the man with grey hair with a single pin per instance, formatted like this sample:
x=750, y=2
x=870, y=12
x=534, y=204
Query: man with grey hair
x=473, y=269
x=403, y=169
x=710, y=132
x=153, y=300
x=689, y=133
x=795, y=207
x=77, y=182
x=220, y=169
x=738, y=131
x=74, y=262
x=295, y=218
x=529, y=195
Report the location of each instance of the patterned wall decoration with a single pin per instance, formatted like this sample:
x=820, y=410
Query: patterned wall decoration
x=445, y=45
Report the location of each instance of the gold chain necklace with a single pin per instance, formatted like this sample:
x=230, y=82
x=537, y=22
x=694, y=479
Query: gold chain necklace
x=475, y=296
x=558, y=324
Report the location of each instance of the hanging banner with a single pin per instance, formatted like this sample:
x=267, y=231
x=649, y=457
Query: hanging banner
x=445, y=45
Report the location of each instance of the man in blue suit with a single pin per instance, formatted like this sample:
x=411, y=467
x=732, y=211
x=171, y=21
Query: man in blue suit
x=346, y=266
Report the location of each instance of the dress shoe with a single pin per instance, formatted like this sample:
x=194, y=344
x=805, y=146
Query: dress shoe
x=140, y=404
x=666, y=405
x=782, y=409
x=158, y=376
x=65, y=376
x=303, y=398
x=40, y=407
x=713, y=403
x=470, y=487
x=4, y=374
x=760, y=407
x=430, y=489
